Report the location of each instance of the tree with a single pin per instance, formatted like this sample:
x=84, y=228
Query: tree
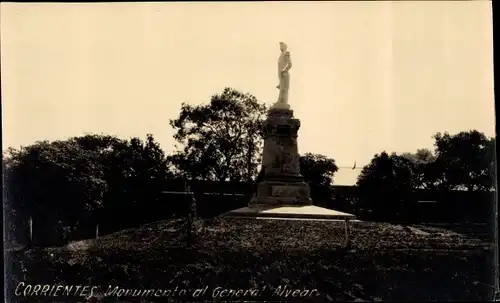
x=222, y=140
x=73, y=184
x=318, y=172
x=424, y=168
x=386, y=183
x=60, y=184
x=136, y=172
x=465, y=160
x=422, y=156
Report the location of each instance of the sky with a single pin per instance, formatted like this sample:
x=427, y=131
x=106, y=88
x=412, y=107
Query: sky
x=366, y=76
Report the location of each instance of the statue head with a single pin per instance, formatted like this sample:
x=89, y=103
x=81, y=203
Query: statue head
x=283, y=46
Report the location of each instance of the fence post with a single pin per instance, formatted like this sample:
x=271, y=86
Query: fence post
x=97, y=231
x=30, y=222
x=347, y=234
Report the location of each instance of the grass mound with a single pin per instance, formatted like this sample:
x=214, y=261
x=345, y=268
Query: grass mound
x=268, y=257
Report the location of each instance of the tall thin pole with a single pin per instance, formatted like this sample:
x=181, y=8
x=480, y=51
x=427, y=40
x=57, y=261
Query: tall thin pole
x=31, y=229
x=249, y=166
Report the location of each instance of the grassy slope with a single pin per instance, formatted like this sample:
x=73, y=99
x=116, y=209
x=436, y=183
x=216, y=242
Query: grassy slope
x=385, y=262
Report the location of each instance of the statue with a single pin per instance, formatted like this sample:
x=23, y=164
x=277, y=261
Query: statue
x=284, y=65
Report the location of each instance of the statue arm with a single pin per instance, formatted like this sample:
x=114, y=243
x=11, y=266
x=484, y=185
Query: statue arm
x=288, y=62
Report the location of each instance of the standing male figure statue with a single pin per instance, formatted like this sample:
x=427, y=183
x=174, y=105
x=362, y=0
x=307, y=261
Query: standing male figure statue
x=284, y=65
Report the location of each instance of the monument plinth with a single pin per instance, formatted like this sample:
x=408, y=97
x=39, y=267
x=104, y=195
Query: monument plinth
x=282, y=182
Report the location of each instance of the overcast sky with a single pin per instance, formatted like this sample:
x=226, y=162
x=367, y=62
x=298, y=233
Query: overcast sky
x=366, y=76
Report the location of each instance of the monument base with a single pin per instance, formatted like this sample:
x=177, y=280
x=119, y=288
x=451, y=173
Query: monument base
x=274, y=192
x=289, y=211
x=282, y=182
x=294, y=212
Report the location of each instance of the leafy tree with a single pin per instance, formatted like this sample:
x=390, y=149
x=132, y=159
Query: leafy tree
x=465, y=160
x=318, y=171
x=68, y=185
x=219, y=138
x=422, y=156
x=136, y=172
x=58, y=183
x=386, y=183
x=461, y=161
x=102, y=144
x=424, y=168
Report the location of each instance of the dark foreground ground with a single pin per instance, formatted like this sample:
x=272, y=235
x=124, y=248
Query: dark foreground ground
x=385, y=262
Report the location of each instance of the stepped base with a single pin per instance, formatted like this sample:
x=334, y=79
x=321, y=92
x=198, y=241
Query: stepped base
x=289, y=211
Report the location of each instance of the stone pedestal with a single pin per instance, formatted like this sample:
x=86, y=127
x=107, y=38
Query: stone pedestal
x=283, y=194
x=282, y=182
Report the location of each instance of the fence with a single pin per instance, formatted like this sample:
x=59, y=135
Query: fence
x=214, y=198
